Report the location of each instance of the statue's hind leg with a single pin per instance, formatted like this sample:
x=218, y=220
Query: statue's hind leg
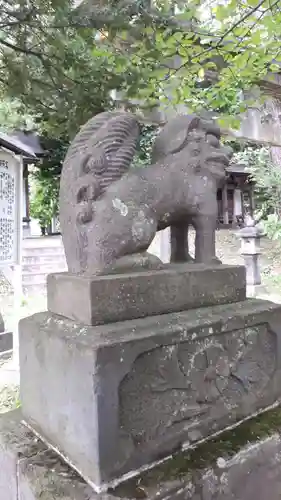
x=179, y=243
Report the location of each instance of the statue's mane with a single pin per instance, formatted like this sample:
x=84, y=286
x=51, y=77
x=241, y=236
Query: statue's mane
x=104, y=147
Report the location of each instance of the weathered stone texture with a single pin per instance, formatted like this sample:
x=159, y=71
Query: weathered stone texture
x=6, y=342
x=113, y=398
x=2, y=327
x=6, y=338
x=106, y=299
x=254, y=473
x=31, y=471
x=197, y=386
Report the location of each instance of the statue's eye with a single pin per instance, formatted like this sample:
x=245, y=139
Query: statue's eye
x=196, y=151
x=213, y=140
x=196, y=135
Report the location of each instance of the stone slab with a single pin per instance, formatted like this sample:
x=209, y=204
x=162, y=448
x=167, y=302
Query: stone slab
x=6, y=342
x=116, y=397
x=30, y=471
x=242, y=464
x=106, y=299
x=2, y=326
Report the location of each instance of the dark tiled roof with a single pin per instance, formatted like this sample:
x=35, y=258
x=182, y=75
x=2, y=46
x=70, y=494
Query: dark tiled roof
x=237, y=168
x=31, y=140
x=26, y=144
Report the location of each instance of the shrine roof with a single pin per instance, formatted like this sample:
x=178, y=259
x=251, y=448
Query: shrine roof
x=237, y=168
x=25, y=144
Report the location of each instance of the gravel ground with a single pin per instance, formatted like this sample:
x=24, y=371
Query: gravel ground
x=9, y=398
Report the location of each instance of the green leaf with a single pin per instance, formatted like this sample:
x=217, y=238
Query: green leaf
x=256, y=38
x=222, y=12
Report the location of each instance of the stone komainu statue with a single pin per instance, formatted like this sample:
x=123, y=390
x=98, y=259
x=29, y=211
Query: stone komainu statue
x=109, y=212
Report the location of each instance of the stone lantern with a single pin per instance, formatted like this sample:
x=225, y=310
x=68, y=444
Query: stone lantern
x=250, y=236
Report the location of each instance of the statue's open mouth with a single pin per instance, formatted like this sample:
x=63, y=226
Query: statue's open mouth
x=219, y=160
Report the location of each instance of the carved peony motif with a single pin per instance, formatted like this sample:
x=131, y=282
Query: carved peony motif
x=181, y=386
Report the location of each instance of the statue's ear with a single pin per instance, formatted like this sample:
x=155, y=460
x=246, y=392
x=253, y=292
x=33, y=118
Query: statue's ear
x=174, y=136
x=177, y=141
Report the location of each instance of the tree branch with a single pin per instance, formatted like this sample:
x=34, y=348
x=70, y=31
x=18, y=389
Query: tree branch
x=21, y=50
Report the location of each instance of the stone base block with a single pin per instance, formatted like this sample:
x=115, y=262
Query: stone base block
x=2, y=326
x=243, y=464
x=6, y=338
x=115, y=398
x=6, y=342
x=106, y=299
x=30, y=471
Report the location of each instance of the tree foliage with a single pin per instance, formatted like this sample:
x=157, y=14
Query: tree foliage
x=62, y=62
x=13, y=117
x=59, y=64
x=55, y=70
x=266, y=176
x=144, y=149
x=44, y=201
x=179, y=48
x=45, y=181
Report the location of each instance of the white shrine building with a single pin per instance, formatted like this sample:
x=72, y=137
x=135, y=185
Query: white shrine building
x=25, y=146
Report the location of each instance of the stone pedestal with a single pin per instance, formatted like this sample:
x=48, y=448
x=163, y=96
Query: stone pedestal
x=106, y=299
x=115, y=398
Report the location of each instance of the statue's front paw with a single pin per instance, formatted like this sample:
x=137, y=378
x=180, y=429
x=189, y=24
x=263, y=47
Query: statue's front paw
x=215, y=260
x=186, y=259
x=209, y=262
